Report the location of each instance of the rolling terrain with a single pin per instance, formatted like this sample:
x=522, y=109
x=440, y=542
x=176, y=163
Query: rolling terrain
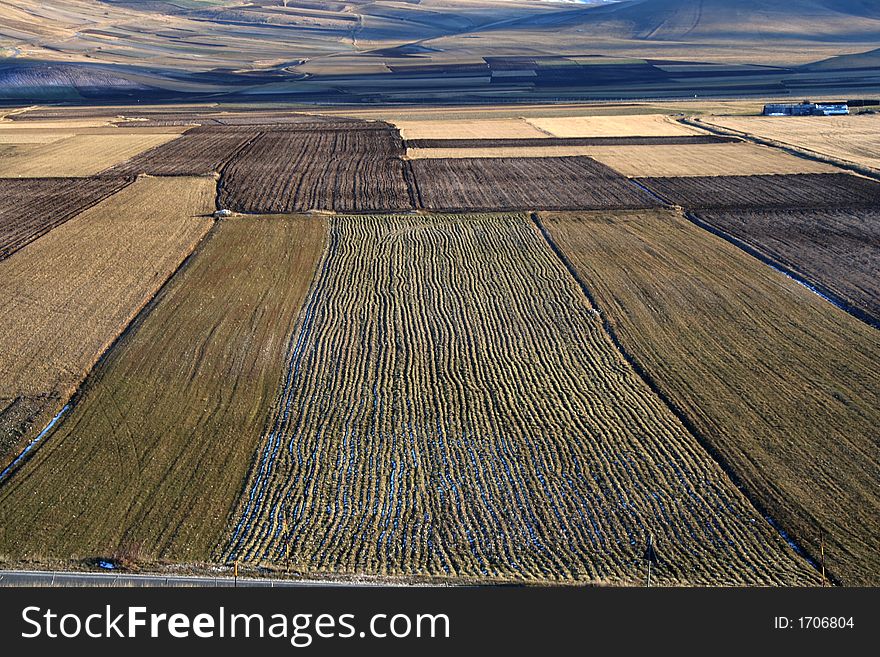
x=362, y=51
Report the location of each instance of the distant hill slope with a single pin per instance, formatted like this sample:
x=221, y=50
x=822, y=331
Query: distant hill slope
x=864, y=60
x=725, y=20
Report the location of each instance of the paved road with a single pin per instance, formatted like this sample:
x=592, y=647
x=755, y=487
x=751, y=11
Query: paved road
x=46, y=578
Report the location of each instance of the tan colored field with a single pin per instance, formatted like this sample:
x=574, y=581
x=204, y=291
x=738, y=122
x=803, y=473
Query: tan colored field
x=177, y=409
x=634, y=125
x=776, y=380
x=80, y=155
x=68, y=295
x=32, y=137
x=854, y=139
x=507, y=128
x=704, y=160
x=499, y=151
x=63, y=125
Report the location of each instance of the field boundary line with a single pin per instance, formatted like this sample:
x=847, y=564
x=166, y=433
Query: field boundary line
x=126, y=181
x=87, y=381
x=816, y=288
x=680, y=415
x=803, y=153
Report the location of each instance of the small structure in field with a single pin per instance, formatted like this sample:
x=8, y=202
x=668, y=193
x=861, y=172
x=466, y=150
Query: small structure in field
x=219, y=214
x=806, y=108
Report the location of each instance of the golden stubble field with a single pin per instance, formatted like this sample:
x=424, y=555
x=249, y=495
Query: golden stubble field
x=779, y=382
x=69, y=294
x=79, y=155
x=151, y=461
x=854, y=139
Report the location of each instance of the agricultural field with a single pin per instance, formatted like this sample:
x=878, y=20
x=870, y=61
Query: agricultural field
x=508, y=152
x=632, y=125
x=704, y=160
x=813, y=191
x=176, y=410
x=854, y=139
x=69, y=294
x=193, y=154
x=31, y=207
x=491, y=128
x=543, y=142
x=452, y=407
x=32, y=137
x=357, y=170
x=837, y=250
x=779, y=383
x=523, y=183
x=80, y=155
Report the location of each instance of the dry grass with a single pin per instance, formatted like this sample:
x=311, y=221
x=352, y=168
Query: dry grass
x=499, y=151
x=32, y=137
x=453, y=407
x=177, y=409
x=854, y=139
x=81, y=155
x=704, y=160
x=68, y=295
x=505, y=128
x=632, y=125
x=782, y=384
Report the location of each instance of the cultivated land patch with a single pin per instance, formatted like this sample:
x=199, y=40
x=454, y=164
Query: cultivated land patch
x=506, y=128
x=69, y=294
x=740, y=159
x=31, y=207
x=837, y=250
x=452, y=407
x=632, y=125
x=568, y=141
x=524, y=183
x=823, y=190
x=854, y=139
x=357, y=170
x=194, y=153
x=176, y=411
x=779, y=382
x=80, y=155
x=28, y=137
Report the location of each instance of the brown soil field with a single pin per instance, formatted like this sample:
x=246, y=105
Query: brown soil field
x=195, y=153
x=506, y=128
x=31, y=207
x=854, y=139
x=453, y=407
x=80, y=155
x=821, y=190
x=569, y=141
x=357, y=170
x=78, y=287
x=837, y=250
x=523, y=183
x=176, y=411
x=740, y=159
x=633, y=125
x=782, y=385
